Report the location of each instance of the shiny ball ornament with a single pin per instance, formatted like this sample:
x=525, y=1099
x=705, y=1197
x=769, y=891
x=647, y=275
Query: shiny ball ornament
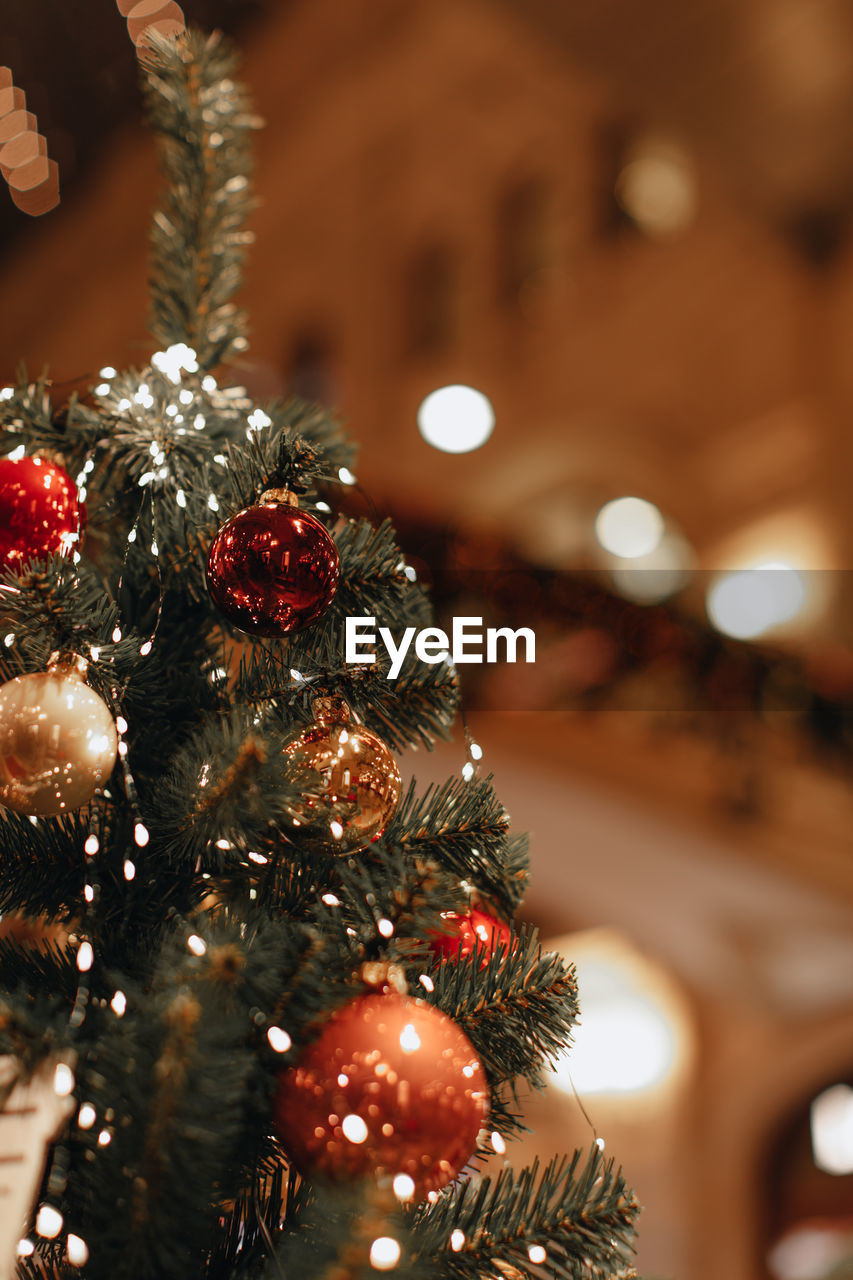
x=40, y=512
x=477, y=929
x=360, y=781
x=58, y=741
x=392, y=1086
x=272, y=569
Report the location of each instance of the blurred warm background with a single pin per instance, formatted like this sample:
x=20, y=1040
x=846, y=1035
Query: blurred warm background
x=629, y=228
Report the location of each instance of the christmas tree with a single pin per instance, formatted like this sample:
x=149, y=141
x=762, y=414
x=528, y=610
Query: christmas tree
x=262, y=1009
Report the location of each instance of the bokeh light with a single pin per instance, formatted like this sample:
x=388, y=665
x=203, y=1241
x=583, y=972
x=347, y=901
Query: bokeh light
x=832, y=1129
x=629, y=527
x=456, y=419
x=656, y=188
x=747, y=603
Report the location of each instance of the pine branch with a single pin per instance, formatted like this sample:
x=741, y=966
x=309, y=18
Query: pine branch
x=463, y=828
x=203, y=119
x=583, y=1216
x=518, y=1009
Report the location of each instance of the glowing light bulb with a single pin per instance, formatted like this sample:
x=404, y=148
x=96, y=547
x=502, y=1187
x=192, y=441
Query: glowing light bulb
x=63, y=1080
x=279, y=1039
x=48, y=1222
x=456, y=419
x=404, y=1186
x=410, y=1041
x=384, y=1253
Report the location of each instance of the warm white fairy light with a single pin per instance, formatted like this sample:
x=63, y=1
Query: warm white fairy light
x=140, y=835
x=123, y=405
x=426, y=982
x=174, y=360
x=86, y=1116
x=185, y=396
x=102, y=389
x=48, y=1222
x=117, y=630
x=9, y=639
x=497, y=1142
x=77, y=1250
x=199, y=422
x=331, y=900
x=118, y=1004
x=336, y=829
x=129, y=869
x=536, y=1254
x=121, y=724
x=107, y=372
x=89, y=892
x=354, y=1129
x=63, y=1080
x=196, y=945
x=258, y=419
x=122, y=749
x=181, y=499
x=404, y=1187
x=468, y=771
x=26, y=1248
x=279, y=1039
x=145, y=649
x=208, y=382
x=258, y=858
x=346, y=476
x=213, y=502
x=104, y=1138
x=457, y=1240
x=7, y=393
x=385, y=927
x=384, y=1253
x=92, y=844
x=85, y=957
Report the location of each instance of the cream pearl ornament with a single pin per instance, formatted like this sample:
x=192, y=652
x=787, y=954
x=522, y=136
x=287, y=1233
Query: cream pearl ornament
x=58, y=740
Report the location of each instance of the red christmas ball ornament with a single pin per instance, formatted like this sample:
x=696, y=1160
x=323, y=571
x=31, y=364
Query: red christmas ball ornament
x=391, y=1086
x=272, y=569
x=40, y=511
x=464, y=933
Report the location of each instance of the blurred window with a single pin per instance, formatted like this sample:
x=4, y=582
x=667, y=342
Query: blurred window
x=310, y=368
x=524, y=241
x=431, y=299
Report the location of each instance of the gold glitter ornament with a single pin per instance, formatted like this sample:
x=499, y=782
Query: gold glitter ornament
x=58, y=740
x=361, y=783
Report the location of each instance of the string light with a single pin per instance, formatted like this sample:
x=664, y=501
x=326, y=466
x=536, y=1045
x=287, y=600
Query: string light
x=279, y=1039
x=196, y=945
x=48, y=1222
x=404, y=1187
x=86, y=1116
x=384, y=1253
x=77, y=1250
x=457, y=1240
x=536, y=1253
x=63, y=1080
x=85, y=957
x=118, y=1004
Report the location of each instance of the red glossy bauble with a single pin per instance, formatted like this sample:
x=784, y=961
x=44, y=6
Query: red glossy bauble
x=392, y=1086
x=477, y=929
x=40, y=513
x=272, y=569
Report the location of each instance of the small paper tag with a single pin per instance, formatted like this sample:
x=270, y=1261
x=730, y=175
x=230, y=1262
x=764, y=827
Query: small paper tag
x=31, y=1115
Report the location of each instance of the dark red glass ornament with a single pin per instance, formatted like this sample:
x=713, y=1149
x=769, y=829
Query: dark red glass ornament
x=40, y=511
x=391, y=1086
x=477, y=929
x=272, y=569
